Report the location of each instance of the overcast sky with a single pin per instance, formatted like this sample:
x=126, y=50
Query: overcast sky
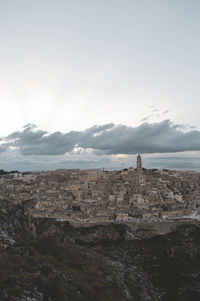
x=132, y=67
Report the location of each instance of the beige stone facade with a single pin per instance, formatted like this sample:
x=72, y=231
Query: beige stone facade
x=99, y=196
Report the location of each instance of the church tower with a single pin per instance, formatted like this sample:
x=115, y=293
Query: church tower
x=139, y=163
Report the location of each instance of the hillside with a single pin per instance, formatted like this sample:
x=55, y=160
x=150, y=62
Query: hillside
x=43, y=260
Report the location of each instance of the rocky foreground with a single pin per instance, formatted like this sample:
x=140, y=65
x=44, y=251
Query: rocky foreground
x=44, y=259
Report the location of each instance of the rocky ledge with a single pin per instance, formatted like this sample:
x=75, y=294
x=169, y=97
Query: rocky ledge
x=47, y=260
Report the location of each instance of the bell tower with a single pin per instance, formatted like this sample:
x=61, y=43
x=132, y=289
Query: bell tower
x=139, y=163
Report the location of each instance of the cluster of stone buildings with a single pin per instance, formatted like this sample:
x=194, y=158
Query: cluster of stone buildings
x=102, y=196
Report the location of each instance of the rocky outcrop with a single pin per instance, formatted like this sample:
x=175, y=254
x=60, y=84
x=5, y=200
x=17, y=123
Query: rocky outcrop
x=48, y=260
x=14, y=220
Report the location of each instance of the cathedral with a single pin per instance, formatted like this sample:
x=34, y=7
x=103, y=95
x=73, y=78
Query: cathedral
x=139, y=163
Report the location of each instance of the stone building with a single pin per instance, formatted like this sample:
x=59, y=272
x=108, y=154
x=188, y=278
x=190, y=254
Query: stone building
x=139, y=163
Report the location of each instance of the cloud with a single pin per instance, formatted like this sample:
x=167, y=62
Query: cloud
x=30, y=142
x=30, y=126
x=165, y=112
x=16, y=161
x=178, y=162
x=146, y=118
x=161, y=137
x=3, y=148
x=108, y=139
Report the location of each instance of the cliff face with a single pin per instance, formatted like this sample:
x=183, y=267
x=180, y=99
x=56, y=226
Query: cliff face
x=41, y=259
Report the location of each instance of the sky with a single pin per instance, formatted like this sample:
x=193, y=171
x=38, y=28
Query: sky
x=86, y=84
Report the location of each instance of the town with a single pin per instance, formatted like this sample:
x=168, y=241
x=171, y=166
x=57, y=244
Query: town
x=100, y=196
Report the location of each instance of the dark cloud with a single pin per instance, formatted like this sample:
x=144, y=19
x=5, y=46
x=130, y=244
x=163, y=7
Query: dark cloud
x=40, y=142
x=161, y=137
x=147, y=138
x=146, y=118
